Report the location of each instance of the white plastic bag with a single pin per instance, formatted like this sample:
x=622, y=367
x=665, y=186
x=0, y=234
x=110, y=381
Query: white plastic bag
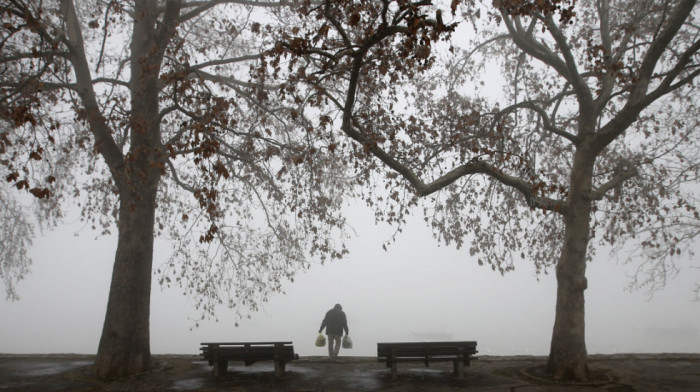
x=347, y=342
x=320, y=340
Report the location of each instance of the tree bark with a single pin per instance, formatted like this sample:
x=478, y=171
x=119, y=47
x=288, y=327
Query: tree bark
x=568, y=357
x=124, y=347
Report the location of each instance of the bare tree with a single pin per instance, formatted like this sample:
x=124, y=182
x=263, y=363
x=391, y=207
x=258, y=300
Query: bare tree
x=143, y=113
x=594, y=142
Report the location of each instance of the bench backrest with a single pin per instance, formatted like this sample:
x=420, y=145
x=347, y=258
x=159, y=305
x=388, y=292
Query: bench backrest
x=248, y=351
x=423, y=349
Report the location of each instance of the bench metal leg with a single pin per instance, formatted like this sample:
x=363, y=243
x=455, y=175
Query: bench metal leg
x=459, y=368
x=220, y=367
x=279, y=368
x=393, y=370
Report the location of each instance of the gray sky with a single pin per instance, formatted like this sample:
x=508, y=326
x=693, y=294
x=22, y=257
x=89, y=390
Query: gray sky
x=415, y=291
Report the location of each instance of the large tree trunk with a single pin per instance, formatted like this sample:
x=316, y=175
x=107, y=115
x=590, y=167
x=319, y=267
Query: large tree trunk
x=124, y=346
x=568, y=358
x=568, y=355
x=125, y=343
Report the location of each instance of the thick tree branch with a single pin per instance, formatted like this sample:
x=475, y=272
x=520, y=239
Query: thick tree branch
x=176, y=178
x=166, y=28
x=608, y=79
x=338, y=26
x=614, y=183
x=111, y=81
x=667, y=84
x=231, y=60
x=583, y=93
x=104, y=143
x=196, y=8
x=657, y=48
x=230, y=81
x=639, y=99
x=526, y=42
x=422, y=188
x=547, y=124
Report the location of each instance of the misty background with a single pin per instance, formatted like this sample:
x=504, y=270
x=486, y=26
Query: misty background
x=414, y=291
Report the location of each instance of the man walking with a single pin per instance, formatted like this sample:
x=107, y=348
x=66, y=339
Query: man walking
x=334, y=322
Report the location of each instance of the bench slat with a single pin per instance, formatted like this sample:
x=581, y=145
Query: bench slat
x=431, y=350
x=427, y=344
x=244, y=343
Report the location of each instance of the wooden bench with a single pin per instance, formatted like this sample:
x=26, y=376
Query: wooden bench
x=218, y=354
x=460, y=353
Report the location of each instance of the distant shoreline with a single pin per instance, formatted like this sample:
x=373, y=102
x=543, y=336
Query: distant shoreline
x=351, y=358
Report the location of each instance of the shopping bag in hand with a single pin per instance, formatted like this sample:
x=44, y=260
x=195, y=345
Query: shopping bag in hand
x=320, y=340
x=347, y=342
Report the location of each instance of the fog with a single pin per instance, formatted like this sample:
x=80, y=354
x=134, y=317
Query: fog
x=416, y=290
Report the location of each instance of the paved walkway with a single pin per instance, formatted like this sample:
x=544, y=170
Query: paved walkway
x=622, y=373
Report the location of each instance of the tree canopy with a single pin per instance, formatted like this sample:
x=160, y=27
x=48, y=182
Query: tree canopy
x=592, y=142
x=146, y=116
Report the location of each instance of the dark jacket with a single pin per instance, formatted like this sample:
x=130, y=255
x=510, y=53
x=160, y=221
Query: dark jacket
x=335, y=322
